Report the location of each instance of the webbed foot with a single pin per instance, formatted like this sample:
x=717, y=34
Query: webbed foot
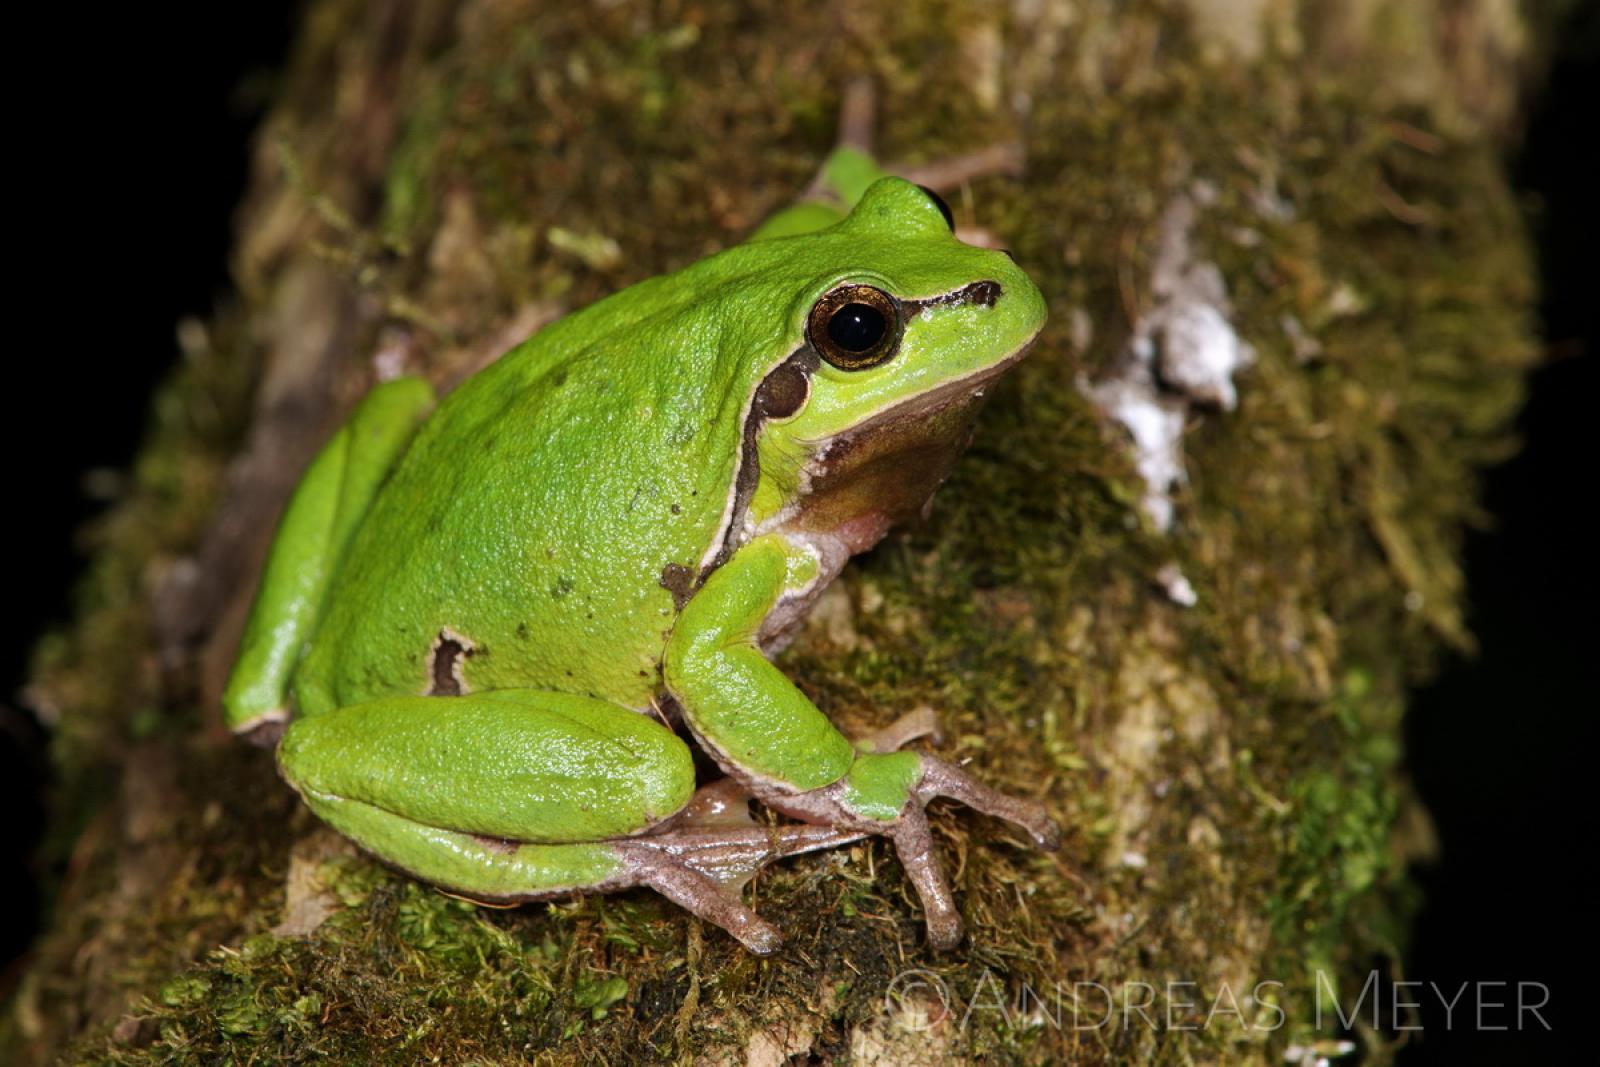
x=706, y=854
x=886, y=793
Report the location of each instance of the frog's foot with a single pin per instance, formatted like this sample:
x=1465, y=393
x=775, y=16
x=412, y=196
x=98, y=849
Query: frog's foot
x=1003, y=158
x=858, y=113
x=886, y=795
x=851, y=169
x=706, y=855
x=662, y=864
x=716, y=835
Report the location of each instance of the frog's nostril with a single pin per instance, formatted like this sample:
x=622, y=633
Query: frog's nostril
x=1012, y=256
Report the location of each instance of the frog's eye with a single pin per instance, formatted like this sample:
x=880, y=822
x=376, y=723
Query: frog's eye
x=944, y=208
x=855, y=327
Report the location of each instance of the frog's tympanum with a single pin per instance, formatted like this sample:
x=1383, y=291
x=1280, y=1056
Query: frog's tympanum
x=487, y=612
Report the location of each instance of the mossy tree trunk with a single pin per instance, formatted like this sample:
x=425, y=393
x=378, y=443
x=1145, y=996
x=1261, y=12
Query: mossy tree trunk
x=1210, y=704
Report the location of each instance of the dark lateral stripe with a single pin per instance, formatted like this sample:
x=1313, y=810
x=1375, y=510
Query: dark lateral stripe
x=984, y=294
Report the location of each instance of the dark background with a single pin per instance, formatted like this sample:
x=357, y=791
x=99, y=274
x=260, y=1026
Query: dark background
x=150, y=171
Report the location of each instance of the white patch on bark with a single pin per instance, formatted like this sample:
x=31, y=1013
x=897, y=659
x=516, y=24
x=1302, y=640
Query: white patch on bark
x=1182, y=355
x=1178, y=588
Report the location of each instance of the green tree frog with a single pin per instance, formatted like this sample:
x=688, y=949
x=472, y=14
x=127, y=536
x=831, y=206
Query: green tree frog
x=486, y=611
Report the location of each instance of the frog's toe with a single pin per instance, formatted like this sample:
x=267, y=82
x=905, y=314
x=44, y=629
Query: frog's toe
x=701, y=863
x=913, y=840
x=912, y=726
x=913, y=843
x=702, y=896
x=941, y=779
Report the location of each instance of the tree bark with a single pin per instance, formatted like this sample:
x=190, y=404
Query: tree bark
x=1280, y=230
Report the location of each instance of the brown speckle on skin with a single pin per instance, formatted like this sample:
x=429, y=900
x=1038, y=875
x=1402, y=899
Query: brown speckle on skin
x=679, y=581
x=450, y=649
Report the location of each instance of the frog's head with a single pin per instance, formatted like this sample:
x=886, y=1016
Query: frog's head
x=902, y=327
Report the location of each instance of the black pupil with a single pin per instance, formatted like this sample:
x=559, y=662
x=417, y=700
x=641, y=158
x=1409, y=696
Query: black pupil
x=857, y=327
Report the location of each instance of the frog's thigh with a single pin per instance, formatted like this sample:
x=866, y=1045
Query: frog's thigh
x=333, y=495
x=502, y=794
x=483, y=869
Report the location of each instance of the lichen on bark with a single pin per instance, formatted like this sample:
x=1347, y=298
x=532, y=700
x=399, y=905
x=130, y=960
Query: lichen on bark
x=439, y=179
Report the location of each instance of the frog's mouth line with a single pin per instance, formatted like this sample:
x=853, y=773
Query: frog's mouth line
x=934, y=400
x=861, y=483
x=891, y=463
x=982, y=294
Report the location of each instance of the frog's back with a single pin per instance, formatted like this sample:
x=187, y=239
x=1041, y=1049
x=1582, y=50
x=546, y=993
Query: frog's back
x=525, y=538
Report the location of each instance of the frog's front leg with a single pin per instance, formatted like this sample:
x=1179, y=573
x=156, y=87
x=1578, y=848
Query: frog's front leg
x=767, y=734
x=516, y=795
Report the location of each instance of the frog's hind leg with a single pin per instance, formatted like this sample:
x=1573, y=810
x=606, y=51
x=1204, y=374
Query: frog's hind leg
x=517, y=795
x=326, y=508
x=502, y=873
x=716, y=836
x=852, y=167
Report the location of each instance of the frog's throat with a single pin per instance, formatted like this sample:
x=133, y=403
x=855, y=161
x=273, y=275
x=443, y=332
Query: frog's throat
x=863, y=482
x=901, y=423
